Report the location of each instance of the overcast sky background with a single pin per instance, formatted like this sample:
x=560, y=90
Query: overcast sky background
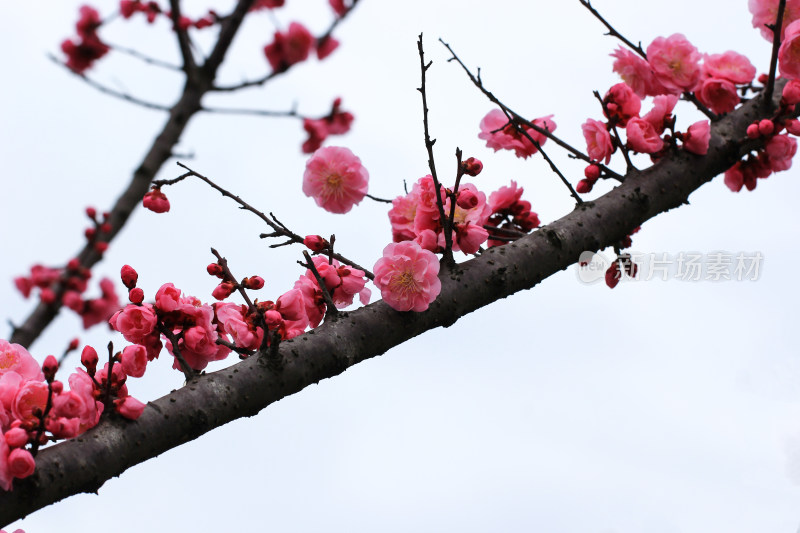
x=663, y=407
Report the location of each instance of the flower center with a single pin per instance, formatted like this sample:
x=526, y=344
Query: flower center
x=404, y=283
x=8, y=359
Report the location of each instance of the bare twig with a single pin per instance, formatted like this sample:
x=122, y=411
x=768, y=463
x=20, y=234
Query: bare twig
x=326, y=295
x=773, y=62
x=145, y=58
x=611, y=31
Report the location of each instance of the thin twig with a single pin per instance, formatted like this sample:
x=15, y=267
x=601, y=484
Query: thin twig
x=109, y=91
x=326, y=295
x=228, y=276
x=611, y=31
x=448, y=236
x=384, y=200
x=690, y=97
x=773, y=62
x=254, y=112
x=145, y=58
x=522, y=120
x=189, y=64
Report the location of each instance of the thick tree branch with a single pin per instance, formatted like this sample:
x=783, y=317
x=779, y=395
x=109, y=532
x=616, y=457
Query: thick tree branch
x=85, y=463
x=161, y=150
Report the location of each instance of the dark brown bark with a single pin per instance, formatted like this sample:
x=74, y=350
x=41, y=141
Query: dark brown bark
x=85, y=463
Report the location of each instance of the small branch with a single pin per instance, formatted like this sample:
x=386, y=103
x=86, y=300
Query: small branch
x=611, y=31
x=448, y=234
x=42, y=419
x=617, y=138
x=109, y=91
x=189, y=65
x=238, y=349
x=326, y=295
x=690, y=97
x=277, y=226
x=253, y=112
x=379, y=199
x=109, y=375
x=188, y=372
x=145, y=58
x=228, y=276
x=773, y=62
x=522, y=120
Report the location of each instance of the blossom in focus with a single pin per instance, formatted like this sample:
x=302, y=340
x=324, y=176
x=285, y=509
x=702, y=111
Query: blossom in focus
x=499, y=134
x=598, y=141
x=675, y=62
x=696, y=139
x=336, y=179
x=642, y=137
x=407, y=276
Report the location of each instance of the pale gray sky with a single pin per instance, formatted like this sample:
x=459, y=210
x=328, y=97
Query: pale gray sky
x=659, y=406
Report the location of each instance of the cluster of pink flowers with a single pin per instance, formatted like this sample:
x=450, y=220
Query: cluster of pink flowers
x=335, y=179
x=152, y=10
x=644, y=134
x=337, y=122
x=295, y=45
x=500, y=134
x=71, y=282
x=511, y=212
x=35, y=408
x=82, y=53
x=342, y=282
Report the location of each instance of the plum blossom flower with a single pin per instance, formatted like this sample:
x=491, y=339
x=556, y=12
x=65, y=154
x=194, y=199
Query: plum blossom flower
x=789, y=52
x=717, y=94
x=731, y=66
x=675, y=62
x=15, y=358
x=336, y=179
x=499, y=134
x=135, y=322
x=598, y=141
x=290, y=47
x=697, y=137
x=407, y=276
x=642, y=137
x=637, y=73
x=766, y=12
x=622, y=103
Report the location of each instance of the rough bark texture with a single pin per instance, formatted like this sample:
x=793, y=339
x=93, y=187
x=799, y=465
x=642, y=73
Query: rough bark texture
x=85, y=463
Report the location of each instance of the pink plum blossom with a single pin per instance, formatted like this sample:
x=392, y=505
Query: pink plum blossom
x=407, y=276
x=135, y=322
x=21, y=463
x=15, y=358
x=499, y=134
x=642, y=137
x=675, y=62
x=766, y=12
x=134, y=360
x=789, y=52
x=697, y=137
x=718, y=94
x=731, y=66
x=598, y=141
x=637, y=73
x=662, y=111
x=621, y=103
x=290, y=47
x=336, y=179
x=129, y=407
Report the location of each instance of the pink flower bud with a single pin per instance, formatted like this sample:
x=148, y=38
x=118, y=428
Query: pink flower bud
x=752, y=131
x=72, y=300
x=16, y=437
x=89, y=233
x=136, y=295
x=315, y=243
x=156, y=201
x=89, y=359
x=134, y=360
x=105, y=227
x=129, y=276
x=467, y=199
x=584, y=186
x=272, y=318
x=73, y=344
x=74, y=264
x=58, y=387
x=763, y=78
x=101, y=247
x=592, y=172
x=223, y=290
x=49, y=368
x=47, y=295
x=214, y=270
x=21, y=463
x=766, y=127
x=91, y=212
x=129, y=407
x=472, y=166
x=253, y=282
x=791, y=93
x=793, y=126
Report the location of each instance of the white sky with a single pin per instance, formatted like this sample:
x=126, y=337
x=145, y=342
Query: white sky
x=659, y=406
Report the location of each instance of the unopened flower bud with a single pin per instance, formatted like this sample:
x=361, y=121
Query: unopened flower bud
x=136, y=295
x=91, y=212
x=753, y=131
x=16, y=437
x=472, y=166
x=584, y=186
x=58, y=387
x=156, y=201
x=105, y=227
x=129, y=276
x=47, y=295
x=214, y=269
x=253, y=282
x=101, y=247
x=315, y=243
x=223, y=290
x=73, y=344
x=89, y=359
x=592, y=172
x=272, y=318
x=89, y=233
x=766, y=127
x=467, y=199
x=791, y=93
x=763, y=78
x=49, y=368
